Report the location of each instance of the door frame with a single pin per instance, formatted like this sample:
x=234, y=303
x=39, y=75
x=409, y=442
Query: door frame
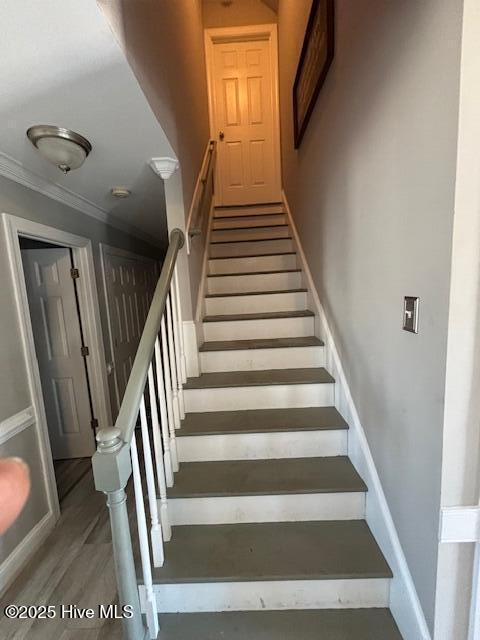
x=252, y=32
x=15, y=228
x=106, y=249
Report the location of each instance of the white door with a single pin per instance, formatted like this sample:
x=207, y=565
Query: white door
x=129, y=284
x=245, y=121
x=58, y=345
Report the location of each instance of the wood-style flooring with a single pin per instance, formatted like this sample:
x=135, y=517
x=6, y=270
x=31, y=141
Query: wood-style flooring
x=73, y=567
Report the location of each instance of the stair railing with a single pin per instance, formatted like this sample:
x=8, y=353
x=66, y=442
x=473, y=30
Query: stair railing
x=154, y=394
x=203, y=195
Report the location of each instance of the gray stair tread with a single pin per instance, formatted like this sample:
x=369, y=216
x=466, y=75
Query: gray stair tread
x=254, y=293
x=256, y=255
x=261, y=343
x=249, y=240
x=270, y=315
x=310, y=624
x=261, y=421
x=220, y=379
x=328, y=550
x=266, y=477
x=252, y=273
x=254, y=228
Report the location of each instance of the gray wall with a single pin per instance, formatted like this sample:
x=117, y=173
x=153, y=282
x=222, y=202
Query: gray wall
x=372, y=192
x=14, y=392
x=163, y=42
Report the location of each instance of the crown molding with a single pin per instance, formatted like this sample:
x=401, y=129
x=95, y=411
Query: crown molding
x=164, y=167
x=14, y=170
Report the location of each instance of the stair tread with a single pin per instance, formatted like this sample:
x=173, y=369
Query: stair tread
x=221, y=379
x=261, y=343
x=229, y=294
x=255, y=255
x=293, y=624
x=252, y=273
x=269, y=315
x=238, y=240
x=266, y=477
x=254, y=228
x=320, y=550
x=261, y=421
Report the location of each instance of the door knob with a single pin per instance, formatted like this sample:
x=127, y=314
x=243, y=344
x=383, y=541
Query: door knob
x=221, y=135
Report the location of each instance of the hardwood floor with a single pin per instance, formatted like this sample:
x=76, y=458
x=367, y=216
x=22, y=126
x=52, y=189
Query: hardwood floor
x=73, y=567
x=68, y=474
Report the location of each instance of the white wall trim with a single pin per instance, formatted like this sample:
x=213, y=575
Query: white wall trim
x=164, y=167
x=459, y=524
x=404, y=602
x=14, y=563
x=14, y=170
x=14, y=227
x=14, y=425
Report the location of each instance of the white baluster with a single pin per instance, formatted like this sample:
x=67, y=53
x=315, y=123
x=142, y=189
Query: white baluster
x=156, y=527
x=183, y=361
x=159, y=463
x=173, y=365
x=168, y=395
x=168, y=455
x=176, y=346
x=151, y=603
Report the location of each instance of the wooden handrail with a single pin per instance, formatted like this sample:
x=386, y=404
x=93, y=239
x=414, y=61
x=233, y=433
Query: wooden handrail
x=204, y=195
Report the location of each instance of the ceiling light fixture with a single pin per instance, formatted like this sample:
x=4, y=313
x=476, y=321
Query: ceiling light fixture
x=62, y=147
x=120, y=192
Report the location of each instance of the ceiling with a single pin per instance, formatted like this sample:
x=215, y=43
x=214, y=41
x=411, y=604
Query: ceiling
x=60, y=64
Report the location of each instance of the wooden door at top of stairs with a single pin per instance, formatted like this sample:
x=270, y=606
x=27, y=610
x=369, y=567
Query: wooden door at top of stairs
x=58, y=345
x=245, y=121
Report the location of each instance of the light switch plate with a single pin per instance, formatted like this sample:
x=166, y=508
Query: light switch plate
x=410, y=314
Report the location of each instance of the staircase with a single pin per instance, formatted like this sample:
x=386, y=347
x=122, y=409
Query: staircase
x=269, y=538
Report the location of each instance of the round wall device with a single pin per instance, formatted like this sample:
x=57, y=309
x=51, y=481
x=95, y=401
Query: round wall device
x=120, y=192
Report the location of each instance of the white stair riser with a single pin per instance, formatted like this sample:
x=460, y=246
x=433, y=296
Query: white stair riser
x=255, y=282
x=250, y=221
x=264, y=328
x=259, y=263
x=249, y=234
x=278, y=594
x=263, y=446
x=260, y=210
x=278, y=396
x=268, y=508
x=224, y=305
x=258, y=359
x=250, y=248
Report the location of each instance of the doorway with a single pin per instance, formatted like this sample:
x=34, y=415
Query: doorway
x=80, y=248
x=61, y=351
x=242, y=74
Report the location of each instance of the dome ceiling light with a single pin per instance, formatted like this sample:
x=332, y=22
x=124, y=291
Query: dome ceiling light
x=62, y=147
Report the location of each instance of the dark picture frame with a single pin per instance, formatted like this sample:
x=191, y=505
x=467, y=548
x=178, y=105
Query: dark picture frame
x=315, y=60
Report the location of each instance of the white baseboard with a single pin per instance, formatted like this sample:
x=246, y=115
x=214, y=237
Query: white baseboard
x=404, y=602
x=15, y=562
x=191, y=348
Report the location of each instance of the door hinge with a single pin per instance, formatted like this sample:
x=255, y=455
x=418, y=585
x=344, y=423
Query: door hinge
x=85, y=351
x=75, y=273
x=94, y=423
